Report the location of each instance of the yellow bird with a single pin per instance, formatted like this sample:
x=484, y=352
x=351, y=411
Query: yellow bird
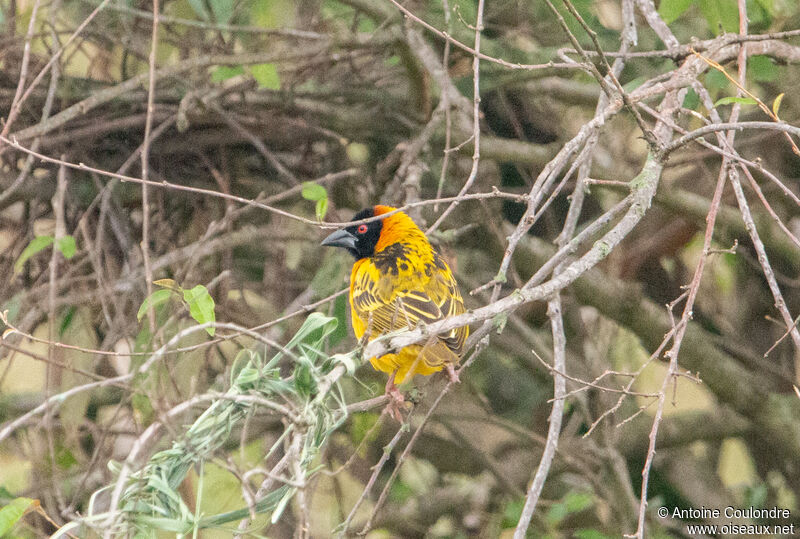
x=398, y=282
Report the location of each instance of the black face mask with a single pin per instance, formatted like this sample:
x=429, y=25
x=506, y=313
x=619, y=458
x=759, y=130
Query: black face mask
x=359, y=240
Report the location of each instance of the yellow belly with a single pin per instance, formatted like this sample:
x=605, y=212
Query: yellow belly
x=407, y=362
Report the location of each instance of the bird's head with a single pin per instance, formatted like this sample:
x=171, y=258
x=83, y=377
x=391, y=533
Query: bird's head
x=360, y=240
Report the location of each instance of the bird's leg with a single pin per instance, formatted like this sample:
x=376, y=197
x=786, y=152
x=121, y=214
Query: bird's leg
x=452, y=374
x=396, y=400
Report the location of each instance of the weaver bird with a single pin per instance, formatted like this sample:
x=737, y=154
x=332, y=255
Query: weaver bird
x=398, y=282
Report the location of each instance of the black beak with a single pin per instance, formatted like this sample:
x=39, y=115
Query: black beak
x=341, y=238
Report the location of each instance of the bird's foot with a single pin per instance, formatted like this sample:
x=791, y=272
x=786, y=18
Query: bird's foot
x=452, y=374
x=397, y=404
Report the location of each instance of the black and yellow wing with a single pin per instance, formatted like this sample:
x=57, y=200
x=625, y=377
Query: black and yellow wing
x=386, y=301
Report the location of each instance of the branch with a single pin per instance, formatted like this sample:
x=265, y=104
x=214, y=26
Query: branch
x=643, y=189
x=556, y=414
x=735, y=126
x=104, y=96
x=774, y=415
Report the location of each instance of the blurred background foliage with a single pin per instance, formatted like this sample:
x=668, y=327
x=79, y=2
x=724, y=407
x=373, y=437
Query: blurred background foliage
x=316, y=107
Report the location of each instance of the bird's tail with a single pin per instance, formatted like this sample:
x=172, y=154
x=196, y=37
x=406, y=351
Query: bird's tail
x=437, y=354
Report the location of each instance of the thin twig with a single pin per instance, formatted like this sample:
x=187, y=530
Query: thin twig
x=23, y=70
x=556, y=414
x=407, y=451
x=475, y=53
x=476, y=118
x=673, y=353
x=376, y=470
x=145, y=160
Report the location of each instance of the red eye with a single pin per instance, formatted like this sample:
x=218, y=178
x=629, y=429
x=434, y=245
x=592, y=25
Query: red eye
x=362, y=229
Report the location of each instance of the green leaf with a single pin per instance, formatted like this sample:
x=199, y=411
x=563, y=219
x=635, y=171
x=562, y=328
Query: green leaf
x=692, y=100
x=65, y=459
x=11, y=513
x=400, y=492
x=281, y=505
x=578, y=501
x=37, y=244
x=762, y=69
x=313, y=191
x=724, y=273
x=392, y=61
x=141, y=343
x=350, y=361
x=304, y=381
x=13, y=306
x=590, y=534
x=201, y=306
x=720, y=13
x=223, y=10
x=181, y=527
x=512, y=513
x=362, y=424
x=142, y=407
x=768, y=6
x=340, y=308
x=69, y=315
x=66, y=245
x=756, y=495
x=759, y=15
x=222, y=73
x=199, y=9
x=730, y=100
x=557, y=513
x=5, y=495
x=672, y=9
x=242, y=371
x=265, y=505
x=366, y=25
x=633, y=84
x=153, y=300
x=321, y=208
x=266, y=76
x=309, y=337
x=272, y=13
x=573, y=502
x=716, y=80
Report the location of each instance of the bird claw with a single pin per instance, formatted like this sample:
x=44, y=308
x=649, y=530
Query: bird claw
x=396, y=405
x=452, y=374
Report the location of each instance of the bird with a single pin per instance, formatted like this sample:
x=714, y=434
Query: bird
x=398, y=282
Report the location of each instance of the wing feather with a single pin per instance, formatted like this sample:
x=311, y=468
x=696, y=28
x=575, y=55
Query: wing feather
x=383, y=302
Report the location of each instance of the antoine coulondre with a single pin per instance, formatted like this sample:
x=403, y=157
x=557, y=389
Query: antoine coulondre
x=730, y=512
